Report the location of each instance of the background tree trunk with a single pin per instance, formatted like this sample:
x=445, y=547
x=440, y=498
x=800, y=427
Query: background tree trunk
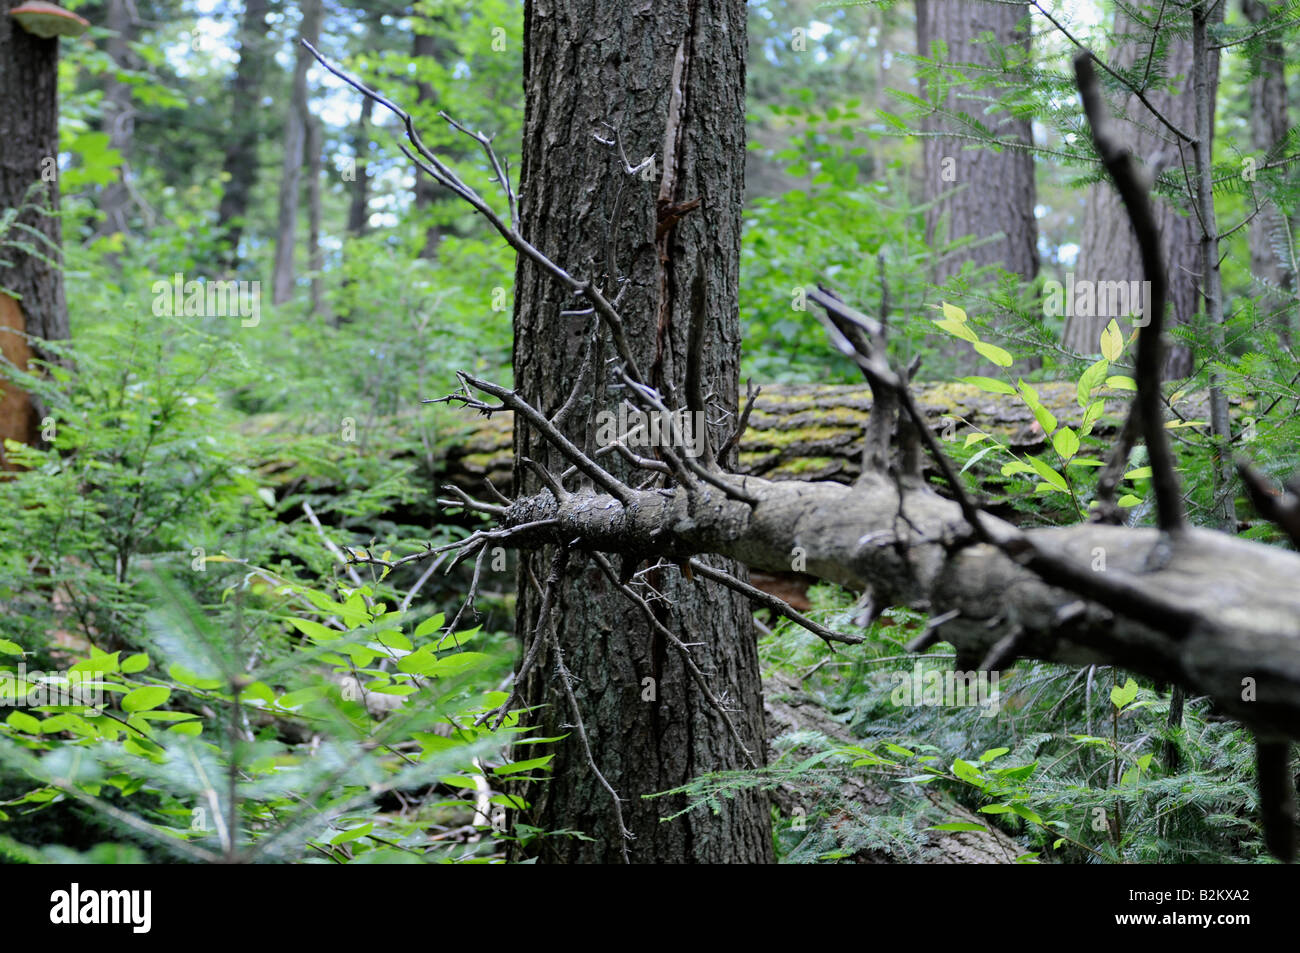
x=980, y=192
x=315, y=191
x=119, y=117
x=1108, y=250
x=297, y=121
x=1269, y=122
x=31, y=291
x=241, y=154
x=618, y=66
x=359, y=187
x=425, y=47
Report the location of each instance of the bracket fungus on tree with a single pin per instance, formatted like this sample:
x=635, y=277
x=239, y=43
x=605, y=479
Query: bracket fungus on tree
x=47, y=19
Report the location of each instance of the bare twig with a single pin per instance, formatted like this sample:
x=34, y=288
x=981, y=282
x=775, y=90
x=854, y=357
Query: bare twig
x=1133, y=192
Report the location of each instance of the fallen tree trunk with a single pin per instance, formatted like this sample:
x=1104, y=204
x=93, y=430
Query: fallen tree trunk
x=814, y=431
x=1222, y=614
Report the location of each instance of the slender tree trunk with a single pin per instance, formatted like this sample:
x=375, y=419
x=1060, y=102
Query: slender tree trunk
x=358, y=207
x=425, y=47
x=297, y=123
x=982, y=192
x=315, y=261
x=31, y=290
x=359, y=187
x=1204, y=71
x=1108, y=251
x=1269, y=122
x=119, y=117
x=240, y=163
x=672, y=83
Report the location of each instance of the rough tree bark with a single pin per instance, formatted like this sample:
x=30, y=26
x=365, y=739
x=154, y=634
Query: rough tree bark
x=980, y=192
x=1107, y=250
x=240, y=162
x=671, y=83
x=31, y=290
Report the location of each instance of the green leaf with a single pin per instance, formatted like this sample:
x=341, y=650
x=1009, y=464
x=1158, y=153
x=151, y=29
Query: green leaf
x=21, y=721
x=10, y=648
x=344, y=836
x=953, y=313
x=519, y=766
x=301, y=697
x=184, y=676
x=1091, y=415
x=420, y=662
x=957, y=329
x=315, y=631
x=1065, y=443
x=394, y=639
x=430, y=625
x=993, y=753
x=1026, y=813
x=1015, y=466
x=1044, y=416
x=460, y=662
x=989, y=384
x=960, y=826
x=974, y=438
x=135, y=663
x=918, y=779
x=1128, y=499
x=1121, y=382
x=1091, y=379
x=1121, y=695
x=142, y=699
x=992, y=352
x=976, y=458
x=968, y=773
x=97, y=663
x=996, y=809
x=1112, y=342
x=1138, y=473
x=1049, y=475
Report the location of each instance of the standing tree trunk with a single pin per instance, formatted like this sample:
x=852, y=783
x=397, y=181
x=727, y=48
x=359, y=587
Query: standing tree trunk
x=671, y=82
x=296, y=126
x=980, y=192
x=425, y=47
x=1108, y=250
x=359, y=186
x=315, y=187
x=240, y=163
x=119, y=117
x=31, y=290
x=1269, y=123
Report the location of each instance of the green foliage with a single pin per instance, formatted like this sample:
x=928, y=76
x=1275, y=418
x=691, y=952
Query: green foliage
x=1072, y=766
x=247, y=685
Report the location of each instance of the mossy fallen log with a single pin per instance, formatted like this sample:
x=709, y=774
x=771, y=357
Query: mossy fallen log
x=814, y=431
